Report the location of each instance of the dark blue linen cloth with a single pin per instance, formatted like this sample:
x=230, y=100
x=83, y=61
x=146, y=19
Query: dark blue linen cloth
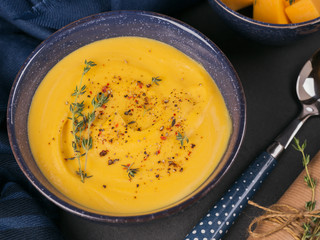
x=24, y=214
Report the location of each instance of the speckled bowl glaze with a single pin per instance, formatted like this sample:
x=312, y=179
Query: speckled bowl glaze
x=109, y=25
x=267, y=33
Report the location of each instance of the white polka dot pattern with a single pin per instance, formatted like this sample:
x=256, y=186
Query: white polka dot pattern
x=217, y=222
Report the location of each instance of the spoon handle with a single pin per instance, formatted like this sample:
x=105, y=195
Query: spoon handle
x=218, y=220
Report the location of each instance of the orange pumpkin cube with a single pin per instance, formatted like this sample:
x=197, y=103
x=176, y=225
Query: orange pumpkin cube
x=270, y=11
x=303, y=10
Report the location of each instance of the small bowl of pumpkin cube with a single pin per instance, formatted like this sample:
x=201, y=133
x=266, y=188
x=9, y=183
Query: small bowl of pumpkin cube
x=275, y=22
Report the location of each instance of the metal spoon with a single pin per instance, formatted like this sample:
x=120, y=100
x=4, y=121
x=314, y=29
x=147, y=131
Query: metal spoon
x=219, y=219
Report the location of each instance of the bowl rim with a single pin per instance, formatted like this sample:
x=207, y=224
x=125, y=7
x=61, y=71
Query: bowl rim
x=181, y=204
x=264, y=24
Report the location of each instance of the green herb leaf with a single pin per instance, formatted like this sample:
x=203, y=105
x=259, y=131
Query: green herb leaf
x=91, y=117
x=87, y=143
x=131, y=171
x=291, y=1
x=83, y=175
x=99, y=100
x=88, y=66
x=182, y=138
x=156, y=80
x=310, y=205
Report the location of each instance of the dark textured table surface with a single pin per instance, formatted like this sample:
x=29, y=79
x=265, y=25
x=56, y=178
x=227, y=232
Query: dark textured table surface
x=268, y=75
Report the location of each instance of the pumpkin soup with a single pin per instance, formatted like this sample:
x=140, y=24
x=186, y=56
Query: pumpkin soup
x=127, y=125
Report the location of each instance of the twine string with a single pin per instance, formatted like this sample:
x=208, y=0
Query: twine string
x=282, y=217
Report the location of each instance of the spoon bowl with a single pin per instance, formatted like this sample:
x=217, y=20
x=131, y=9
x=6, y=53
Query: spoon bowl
x=308, y=92
x=308, y=84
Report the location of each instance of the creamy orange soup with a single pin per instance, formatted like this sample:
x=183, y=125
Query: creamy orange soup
x=159, y=134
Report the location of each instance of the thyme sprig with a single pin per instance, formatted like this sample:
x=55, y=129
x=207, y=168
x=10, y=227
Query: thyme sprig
x=79, y=120
x=182, y=138
x=131, y=171
x=312, y=227
x=311, y=182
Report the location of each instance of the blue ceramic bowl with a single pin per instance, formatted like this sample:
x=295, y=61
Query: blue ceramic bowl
x=267, y=33
x=109, y=25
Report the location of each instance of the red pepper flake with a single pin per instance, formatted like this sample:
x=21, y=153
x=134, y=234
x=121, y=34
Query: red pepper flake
x=128, y=165
x=163, y=137
x=104, y=89
x=117, y=125
x=103, y=153
x=90, y=92
x=172, y=163
x=139, y=84
x=189, y=154
x=110, y=162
